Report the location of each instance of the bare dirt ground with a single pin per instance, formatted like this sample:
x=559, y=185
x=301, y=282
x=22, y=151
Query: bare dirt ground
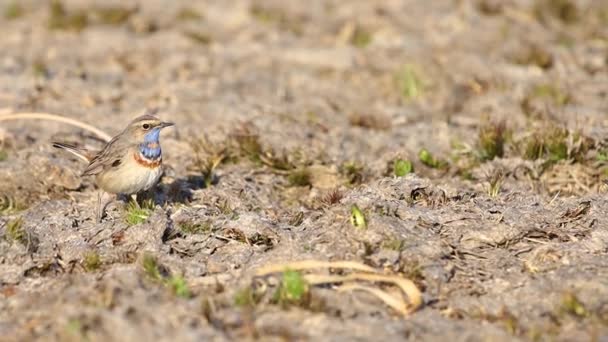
x=298, y=124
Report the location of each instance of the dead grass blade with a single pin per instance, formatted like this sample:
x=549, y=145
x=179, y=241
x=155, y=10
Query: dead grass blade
x=407, y=286
x=396, y=303
x=350, y=282
x=311, y=264
x=58, y=118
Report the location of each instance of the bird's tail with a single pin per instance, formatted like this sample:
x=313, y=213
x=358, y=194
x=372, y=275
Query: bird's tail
x=79, y=152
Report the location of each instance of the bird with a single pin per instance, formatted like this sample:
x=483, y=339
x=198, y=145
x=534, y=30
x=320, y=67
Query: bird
x=129, y=163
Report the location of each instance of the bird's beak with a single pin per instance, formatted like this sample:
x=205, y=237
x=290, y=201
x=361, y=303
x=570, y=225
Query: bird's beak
x=166, y=124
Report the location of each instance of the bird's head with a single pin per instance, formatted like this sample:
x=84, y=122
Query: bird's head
x=146, y=128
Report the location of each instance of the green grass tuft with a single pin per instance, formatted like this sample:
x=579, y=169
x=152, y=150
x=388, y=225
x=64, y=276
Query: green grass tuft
x=248, y=144
x=40, y=69
x=495, y=180
x=245, y=298
x=113, y=15
x=3, y=155
x=266, y=15
x=353, y=171
x=155, y=272
x=409, y=83
x=393, y=244
x=194, y=228
x=179, y=286
x=188, y=14
x=138, y=214
x=299, y=177
x=429, y=160
x=91, y=261
x=293, y=290
x=551, y=92
x=13, y=10
x=9, y=205
x=402, y=167
x=563, y=10
x=492, y=137
x=550, y=144
x=60, y=19
x=15, y=231
x=198, y=37
x=151, y=268
x=572, y=305
x=361, y=37
x=75, y=330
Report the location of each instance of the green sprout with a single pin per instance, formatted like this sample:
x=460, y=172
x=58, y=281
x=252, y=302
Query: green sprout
x=361, y=37
x=75, y=329
x=15, y=231
x=13, y=10
x=60, y=19
x=245, y=298
x=299, y=177
x=151, y=268
x=9, y=205
x=550, y=91
x=572, y=305
x=394, y=244
x=357, y=218
x=194, y=228
x=552, y=144
x=409, y=82
x=198, y=37
x=429, y=160
x=492, y=138
x=602, y=155
x=113, y=15
x=402, y=167
x=292, y=290
x=248, y=144
x=179, y=286
x=208, y=155
x=188, y=14
x=91, y=261
x=176, y=283
x=495, y=181
x=353, y=171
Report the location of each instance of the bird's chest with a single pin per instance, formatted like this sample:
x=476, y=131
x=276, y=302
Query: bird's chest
x=136, y=173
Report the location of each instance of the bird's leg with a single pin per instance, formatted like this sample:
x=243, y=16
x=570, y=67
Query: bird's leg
x=134, y=199
x=99, y=211
x=102, y=205
x=111, y=199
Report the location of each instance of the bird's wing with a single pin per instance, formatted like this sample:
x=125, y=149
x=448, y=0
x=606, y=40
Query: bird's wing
x=110, y=156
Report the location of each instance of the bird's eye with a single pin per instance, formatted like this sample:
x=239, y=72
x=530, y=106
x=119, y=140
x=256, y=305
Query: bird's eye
x=146, y=126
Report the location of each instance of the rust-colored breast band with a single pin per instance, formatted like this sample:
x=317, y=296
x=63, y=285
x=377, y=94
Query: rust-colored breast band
x=150, y=164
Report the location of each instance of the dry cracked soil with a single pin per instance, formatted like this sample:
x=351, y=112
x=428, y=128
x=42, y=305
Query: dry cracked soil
x=458, y=144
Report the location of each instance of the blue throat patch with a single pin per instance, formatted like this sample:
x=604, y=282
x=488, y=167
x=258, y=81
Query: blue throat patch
x=150, y=148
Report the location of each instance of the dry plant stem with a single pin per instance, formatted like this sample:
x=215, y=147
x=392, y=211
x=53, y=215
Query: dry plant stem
x=407, y=286
x=57, y=118
x=310, y=264
x=396, y=303
x=370, y=274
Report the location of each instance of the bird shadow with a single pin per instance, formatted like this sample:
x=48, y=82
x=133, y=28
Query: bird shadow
x=180, y=190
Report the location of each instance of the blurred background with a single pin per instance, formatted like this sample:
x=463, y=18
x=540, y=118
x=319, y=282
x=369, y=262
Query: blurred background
x=403, y=71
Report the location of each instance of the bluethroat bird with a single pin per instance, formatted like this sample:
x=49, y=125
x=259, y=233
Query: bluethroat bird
x=130, y=163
